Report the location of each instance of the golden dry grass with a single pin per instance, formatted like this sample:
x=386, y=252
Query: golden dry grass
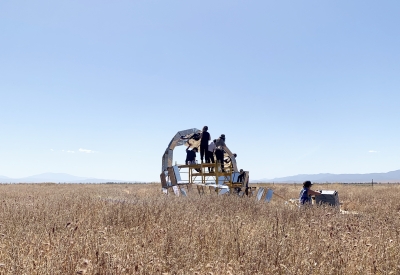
x=134, y=229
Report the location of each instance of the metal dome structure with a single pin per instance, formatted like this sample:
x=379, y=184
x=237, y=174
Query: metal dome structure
x=198, y=174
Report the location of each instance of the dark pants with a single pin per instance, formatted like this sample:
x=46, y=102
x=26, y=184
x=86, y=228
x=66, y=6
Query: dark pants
x=203, y=151
x=219, y=154
x=210, y=159
x=241, y=178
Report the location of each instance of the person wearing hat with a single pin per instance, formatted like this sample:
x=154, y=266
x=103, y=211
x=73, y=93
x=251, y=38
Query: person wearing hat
x=306, y=193
x=219, y=151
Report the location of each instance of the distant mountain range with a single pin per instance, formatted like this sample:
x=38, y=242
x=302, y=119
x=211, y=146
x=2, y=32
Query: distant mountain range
x=393, y=176
x=56, y=178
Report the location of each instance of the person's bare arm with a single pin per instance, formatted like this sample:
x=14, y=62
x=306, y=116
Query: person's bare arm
x=313, y=193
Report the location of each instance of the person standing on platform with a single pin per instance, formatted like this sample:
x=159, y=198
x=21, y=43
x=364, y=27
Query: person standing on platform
x=205, y=137
x=241, y=178
x=210, y=155
x=219, y=151
x=190, y=155
x=241, y=175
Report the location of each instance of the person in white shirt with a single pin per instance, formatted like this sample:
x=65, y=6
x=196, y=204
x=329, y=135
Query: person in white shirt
x=219, y=151
x=210, y=154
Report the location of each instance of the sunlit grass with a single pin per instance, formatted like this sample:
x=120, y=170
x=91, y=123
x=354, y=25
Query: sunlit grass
x=135, y=229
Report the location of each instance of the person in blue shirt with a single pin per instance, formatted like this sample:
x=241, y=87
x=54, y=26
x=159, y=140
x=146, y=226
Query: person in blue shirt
x=306, y=193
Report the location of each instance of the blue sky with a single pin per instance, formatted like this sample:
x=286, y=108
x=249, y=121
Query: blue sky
x=98, y=88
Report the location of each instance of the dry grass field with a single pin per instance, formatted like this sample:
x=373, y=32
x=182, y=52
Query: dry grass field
x=134, y=229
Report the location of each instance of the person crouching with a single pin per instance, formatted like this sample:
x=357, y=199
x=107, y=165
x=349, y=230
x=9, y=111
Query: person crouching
x=306, y=193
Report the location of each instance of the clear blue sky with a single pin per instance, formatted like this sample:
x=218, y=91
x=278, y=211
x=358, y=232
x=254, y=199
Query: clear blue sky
x=98, y=88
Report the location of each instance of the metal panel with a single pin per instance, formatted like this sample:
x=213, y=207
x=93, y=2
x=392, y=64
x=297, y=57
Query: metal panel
x=329, y=197
x=246, y=178
x=176, y=190
x=260, y=193
x=200, y=190
x=222, y=179
x=222, y=186
x=183, y=192
x=235, y=176
x=229, y=154
x=269, y=194
x=163, y=181
x=172, y=176
x=177, y=174
x=223, y=191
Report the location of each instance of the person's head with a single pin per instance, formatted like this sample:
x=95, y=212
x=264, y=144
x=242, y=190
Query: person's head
x=222, y=137
x=205, y=128
x=307, y=184
x=235, y=155
x=214, y=140
x=195, y=149
x=241, y=170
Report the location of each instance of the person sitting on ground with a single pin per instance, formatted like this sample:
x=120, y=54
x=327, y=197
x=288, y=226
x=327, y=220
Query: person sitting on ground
x=306, y=193
x=191, y=155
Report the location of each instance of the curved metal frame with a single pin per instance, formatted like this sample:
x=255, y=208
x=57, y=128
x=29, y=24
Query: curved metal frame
x=181, y=138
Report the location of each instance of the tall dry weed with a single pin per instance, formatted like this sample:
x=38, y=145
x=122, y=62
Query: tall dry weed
x=134, y=229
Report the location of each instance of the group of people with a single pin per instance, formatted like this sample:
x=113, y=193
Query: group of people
x=208, y=150
x=216, y=147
